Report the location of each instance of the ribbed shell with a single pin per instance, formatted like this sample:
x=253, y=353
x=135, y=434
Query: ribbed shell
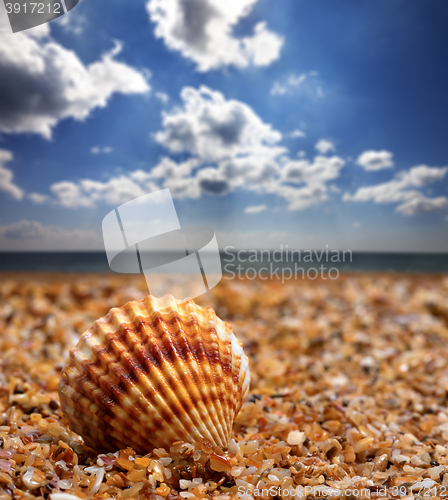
x=154, y=372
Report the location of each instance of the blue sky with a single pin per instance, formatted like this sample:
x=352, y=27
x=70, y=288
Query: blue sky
x=294, y=122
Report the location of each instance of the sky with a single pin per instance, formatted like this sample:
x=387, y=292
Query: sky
x=292, y=122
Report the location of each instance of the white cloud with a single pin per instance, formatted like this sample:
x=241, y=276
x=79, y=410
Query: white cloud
x=42, y=83
x=6, y=177
x=375, y=160
x=70, y=195
x=300, y=198
x=214, y=128
x=225, y=147
x=22, y=229
x=356, y=225
x=297, y=83
x=324, y=146
x=255, y=209
x=321, y=170
x=33, y=235
x=73, y=22
x=97, y=150
x=297, y=133
x=403, y=190
x=87, y=193
x=201, y=30
x=421, y=205
x=421, y=175
x=163, y=97
x=38, y=198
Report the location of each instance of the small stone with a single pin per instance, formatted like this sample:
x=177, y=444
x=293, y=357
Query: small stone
x=295, y=438
x=54, y=405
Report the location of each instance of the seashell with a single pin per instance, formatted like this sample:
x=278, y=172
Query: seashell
x=152, y=373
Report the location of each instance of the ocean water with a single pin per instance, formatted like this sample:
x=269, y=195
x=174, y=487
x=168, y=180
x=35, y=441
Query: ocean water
x=265, y=263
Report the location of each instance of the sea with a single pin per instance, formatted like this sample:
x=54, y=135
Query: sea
x=245, y=262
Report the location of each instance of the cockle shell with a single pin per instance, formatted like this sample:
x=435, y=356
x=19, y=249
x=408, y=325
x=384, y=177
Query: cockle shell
x=154, y=372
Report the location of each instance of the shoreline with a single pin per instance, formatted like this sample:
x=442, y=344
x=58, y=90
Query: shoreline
x=68, y=275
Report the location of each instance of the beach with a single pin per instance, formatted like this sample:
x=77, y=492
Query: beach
x=349, y=385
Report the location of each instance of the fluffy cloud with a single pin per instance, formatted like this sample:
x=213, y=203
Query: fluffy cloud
x=255, y=209
x=243, y=150
x=6, y=177
x=324, y=146
x=23, y=229
x=319, y=171
x=225, y=137
x=422, y=175
x=224, y=147
x=403, y=190
x=302, y=197
x=87, y=192
x=375, y=160
x=38, y=198
x=74, y=23
x=305, y=82
x=214, y=128
x=41, y=82
x=33, y=235
x=201, y=30
x=421, y=204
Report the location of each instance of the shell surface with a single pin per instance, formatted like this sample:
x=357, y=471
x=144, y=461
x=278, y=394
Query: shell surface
x=154, y=372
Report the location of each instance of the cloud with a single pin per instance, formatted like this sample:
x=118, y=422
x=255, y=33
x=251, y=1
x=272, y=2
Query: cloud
x=163, y=97
x=6, y=177
x=324, y=146
x=212, y=127
x=212, y=181
x=319, y=171
x=33, y=235
x=422, y=175
x=224, y=146
x=305, y=82
x=70, y=195
x=255, y=209
x=87, y=193
x=375, y=160
x=403, y=190
x=23, y=229
x=201, y=30
x=42, y=83
x=73, y=23
x=97, y=150
x=301, y=198
x=38, y=198
x=421, y=205
x=356, y=225
x=297, y=133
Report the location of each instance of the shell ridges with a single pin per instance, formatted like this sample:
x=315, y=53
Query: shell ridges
x=154, y=372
